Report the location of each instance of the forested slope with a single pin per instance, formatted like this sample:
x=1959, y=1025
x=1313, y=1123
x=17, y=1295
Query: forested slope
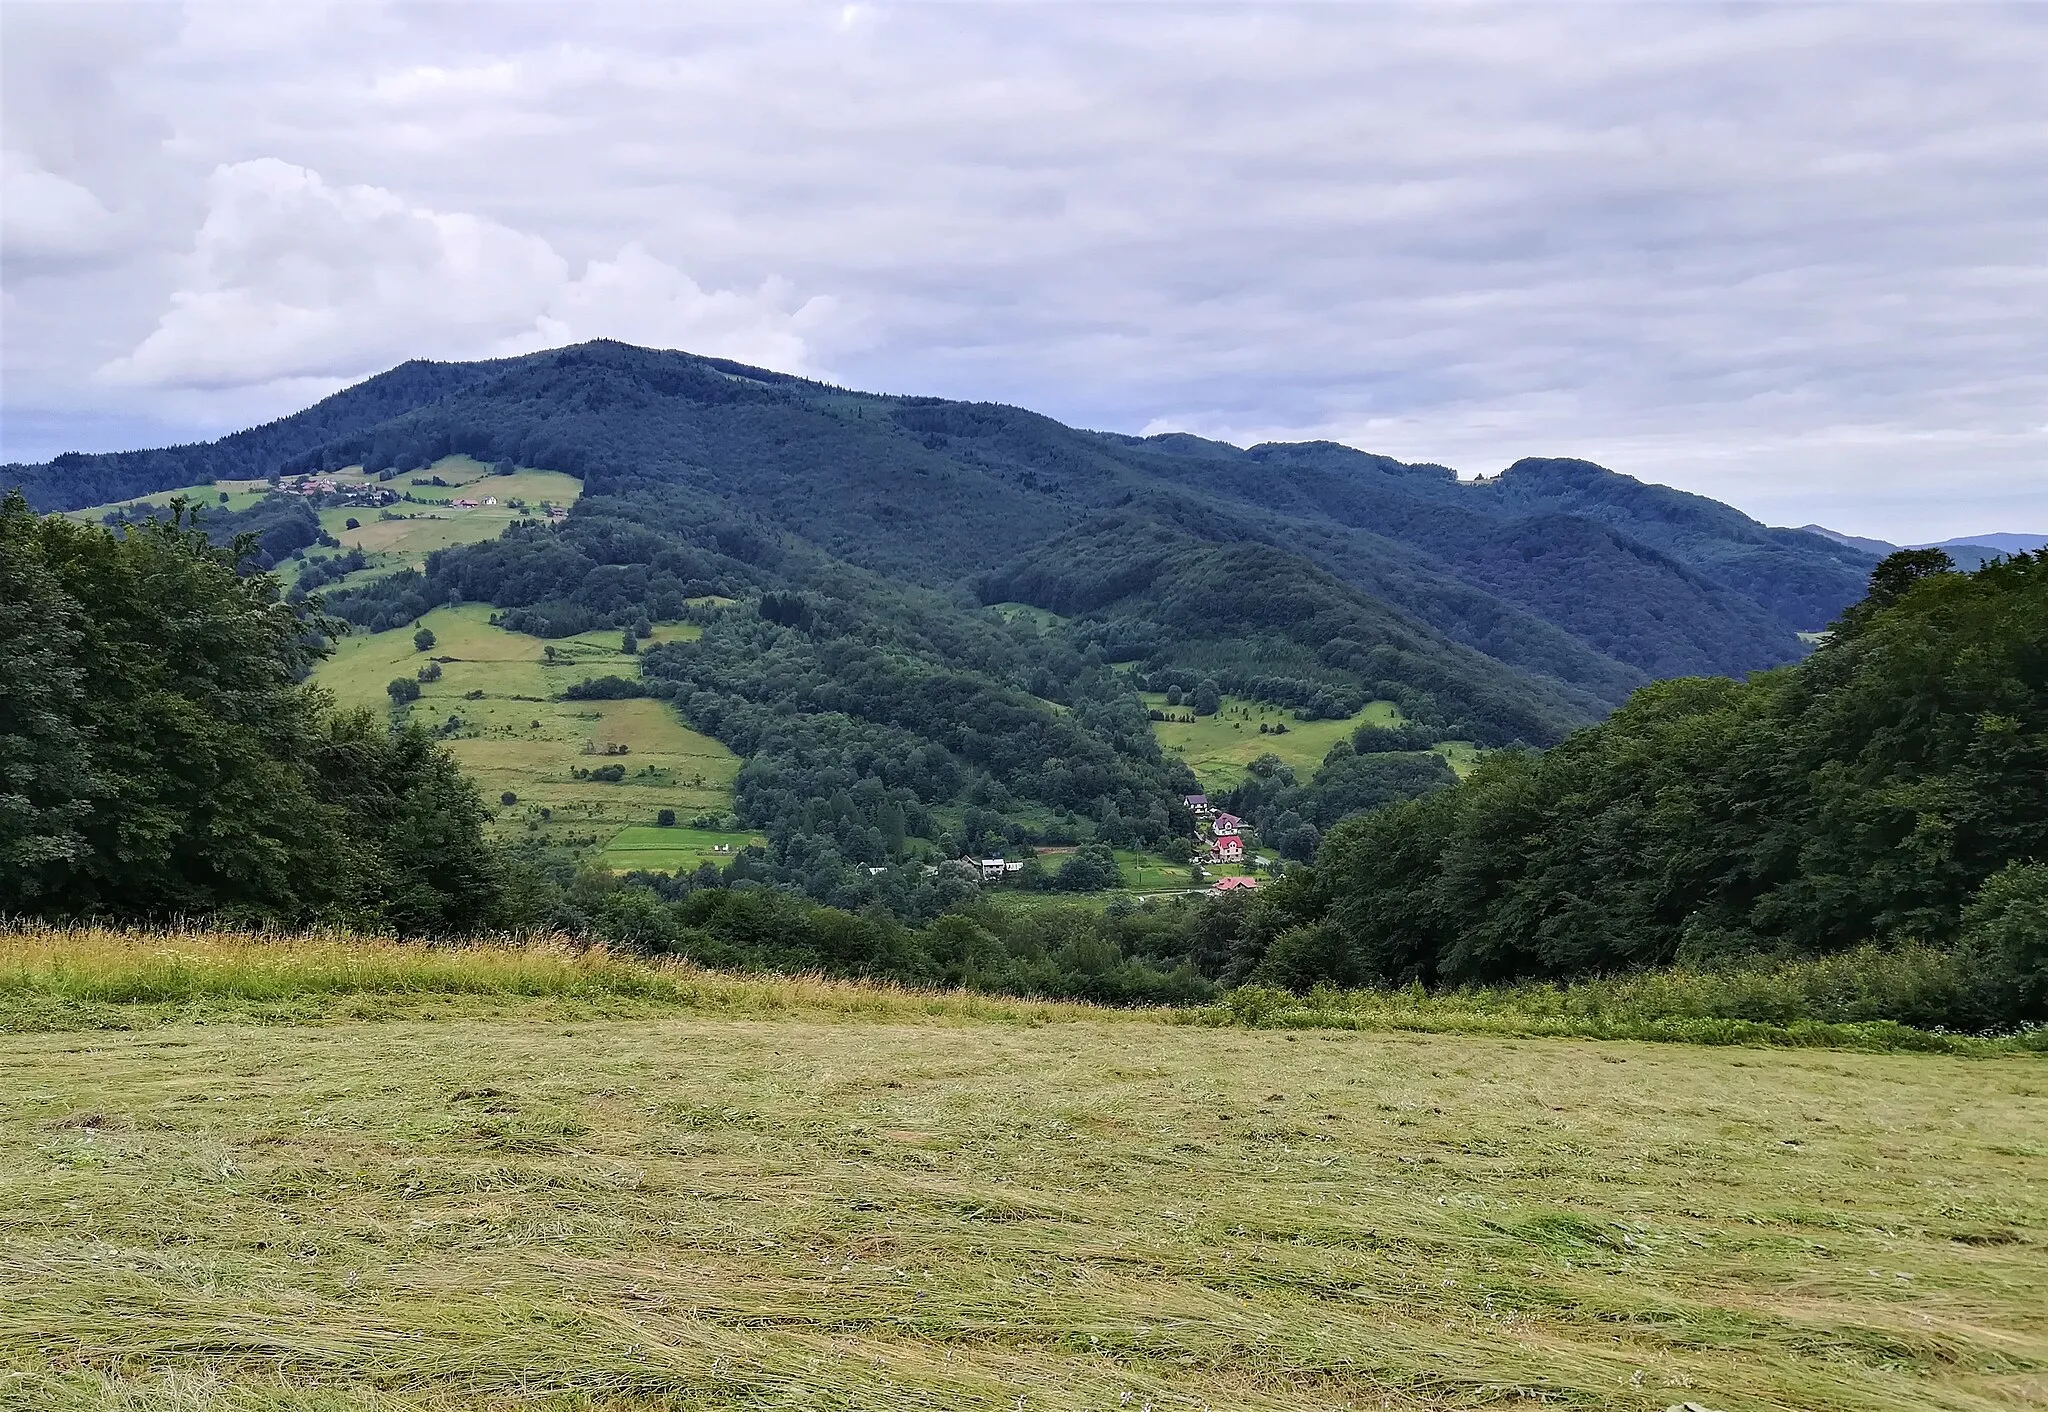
x=856, y=541
x=1891, y=788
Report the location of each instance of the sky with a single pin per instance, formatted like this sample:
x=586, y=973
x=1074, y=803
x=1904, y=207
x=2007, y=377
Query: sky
x=1792, y=257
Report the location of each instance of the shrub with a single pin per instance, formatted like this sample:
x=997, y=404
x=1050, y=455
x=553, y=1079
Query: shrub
x=350, y=523
x=403, y=690
x=666, y=818
x=508, y=798
x=423, y=639
x=2005, y=943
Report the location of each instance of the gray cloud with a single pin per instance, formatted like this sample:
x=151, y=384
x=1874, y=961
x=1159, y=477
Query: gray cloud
x=1792, y=257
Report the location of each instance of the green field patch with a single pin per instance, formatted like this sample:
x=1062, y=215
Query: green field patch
x=1217, y=748
x=1460, y=755
x=401, y=536
x=241, y=494
x=516, y=736
x=1040, y=618
x=673, y=850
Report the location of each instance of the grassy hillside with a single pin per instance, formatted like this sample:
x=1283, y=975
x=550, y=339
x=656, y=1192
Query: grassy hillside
x=593, y=1185
x=1218, y=747
x=518, y=737
x=433, y=523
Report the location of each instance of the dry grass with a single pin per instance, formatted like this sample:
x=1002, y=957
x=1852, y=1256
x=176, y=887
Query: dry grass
x=579, y=1182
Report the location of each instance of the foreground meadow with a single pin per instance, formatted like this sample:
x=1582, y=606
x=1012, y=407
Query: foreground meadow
x=337, y=1176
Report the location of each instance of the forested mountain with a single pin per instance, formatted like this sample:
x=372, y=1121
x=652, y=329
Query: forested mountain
x=859, y=537
x=1555, y=567
x=75, y=479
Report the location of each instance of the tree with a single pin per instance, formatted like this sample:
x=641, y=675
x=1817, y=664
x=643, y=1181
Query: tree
x=402, y=690
x=423, y=639
x=666, y=818
x=430, y=672
x=199, y=776
x=1208, y=699
x=508, y=799
x=1173, y=697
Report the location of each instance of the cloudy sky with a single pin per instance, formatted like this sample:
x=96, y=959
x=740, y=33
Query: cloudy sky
x=1795, y=257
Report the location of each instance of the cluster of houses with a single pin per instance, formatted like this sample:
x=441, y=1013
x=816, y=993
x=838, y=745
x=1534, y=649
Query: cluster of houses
x=355, y=492
x=1219, y=838
x=467, y=504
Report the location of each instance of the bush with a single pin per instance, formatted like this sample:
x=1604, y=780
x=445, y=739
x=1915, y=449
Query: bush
x=403, y=690
x=2005, y=943
x=508, y=798
x=350, y=523
x=666, y=818
x=430, y=672
x=423, y=639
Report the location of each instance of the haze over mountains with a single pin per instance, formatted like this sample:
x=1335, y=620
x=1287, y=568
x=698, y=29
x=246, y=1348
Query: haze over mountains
x=1581, y=582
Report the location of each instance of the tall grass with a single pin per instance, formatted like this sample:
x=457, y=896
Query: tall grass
x=1863, y=999
x=55, y=977
x=65, y=976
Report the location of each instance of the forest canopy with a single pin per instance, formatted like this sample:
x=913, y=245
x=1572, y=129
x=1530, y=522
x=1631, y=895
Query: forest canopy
x=1892, y=788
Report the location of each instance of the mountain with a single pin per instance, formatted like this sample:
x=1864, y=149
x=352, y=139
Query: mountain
x=863, y=534
x=1878, y=547
x=2002, y=543
x=1970, y=551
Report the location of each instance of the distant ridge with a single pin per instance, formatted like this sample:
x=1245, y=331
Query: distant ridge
x=1577, y=582
x=1984, y=545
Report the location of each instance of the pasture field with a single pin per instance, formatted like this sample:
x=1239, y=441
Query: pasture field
x=518, y=738
x=433, y=523
x=1217, y=748
x=513, y=1180
x=241, y=495
x=680, y=849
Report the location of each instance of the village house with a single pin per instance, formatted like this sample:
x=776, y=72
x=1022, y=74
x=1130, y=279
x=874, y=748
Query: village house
x=1235, y=885
x=1200, y=805
x=1226, y=823
x=1229, y=848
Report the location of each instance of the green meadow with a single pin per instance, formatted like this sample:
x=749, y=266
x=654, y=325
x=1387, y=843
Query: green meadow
x=241, y=494
x=431, y=522
x=344, y=1176
x=515, y=735
x=1217, y=748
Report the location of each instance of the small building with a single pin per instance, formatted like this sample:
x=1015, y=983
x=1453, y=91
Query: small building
x=1229, y=848
x=1235, y=885
x=1199, y=804
x=1226, y=823
x=992, y=870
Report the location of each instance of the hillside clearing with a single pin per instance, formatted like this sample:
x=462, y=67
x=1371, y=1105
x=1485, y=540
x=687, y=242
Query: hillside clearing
x=519, y=737
x=807, y=1195
x=1219, y=747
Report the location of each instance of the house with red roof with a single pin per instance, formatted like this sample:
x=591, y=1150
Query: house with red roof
x=1236, y=885
x=1229, y=848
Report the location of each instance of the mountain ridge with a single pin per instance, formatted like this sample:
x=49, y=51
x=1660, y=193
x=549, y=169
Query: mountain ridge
x=1556, y=568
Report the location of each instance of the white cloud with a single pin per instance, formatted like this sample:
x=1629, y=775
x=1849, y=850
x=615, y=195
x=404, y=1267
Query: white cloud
x=292, y=277
x=43, y=217
x=1785, y=255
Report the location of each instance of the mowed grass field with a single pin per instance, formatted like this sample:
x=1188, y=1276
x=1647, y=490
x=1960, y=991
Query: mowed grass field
x=519, y=738
x=751, y=1194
